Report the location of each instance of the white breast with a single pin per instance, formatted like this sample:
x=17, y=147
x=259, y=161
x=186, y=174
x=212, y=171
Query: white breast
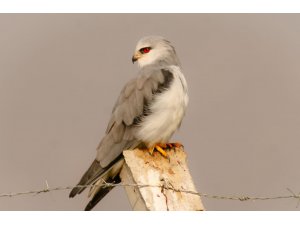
x=168, y=109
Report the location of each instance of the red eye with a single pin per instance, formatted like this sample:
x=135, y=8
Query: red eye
x=145, y=50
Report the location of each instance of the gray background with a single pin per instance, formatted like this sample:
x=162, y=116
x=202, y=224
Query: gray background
x=61, y=74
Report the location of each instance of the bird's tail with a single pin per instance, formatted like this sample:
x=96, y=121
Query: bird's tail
x=88, y=178
x=98, y=175
x=102, y=192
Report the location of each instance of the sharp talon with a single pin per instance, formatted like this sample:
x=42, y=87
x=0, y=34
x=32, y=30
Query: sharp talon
x=151, y=150
x=177, y=145
x=169, y=145
x=162, y=145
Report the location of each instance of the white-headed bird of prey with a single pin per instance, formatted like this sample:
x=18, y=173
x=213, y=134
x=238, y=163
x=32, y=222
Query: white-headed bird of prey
x=148, y=111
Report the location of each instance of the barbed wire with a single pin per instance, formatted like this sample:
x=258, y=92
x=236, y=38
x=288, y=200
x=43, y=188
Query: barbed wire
x=164, y=186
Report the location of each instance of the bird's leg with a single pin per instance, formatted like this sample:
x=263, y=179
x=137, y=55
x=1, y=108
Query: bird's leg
x=160, y=148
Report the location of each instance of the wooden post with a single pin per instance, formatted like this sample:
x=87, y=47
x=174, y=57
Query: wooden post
x=166, y=174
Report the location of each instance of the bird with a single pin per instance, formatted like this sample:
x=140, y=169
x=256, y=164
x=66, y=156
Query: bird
x=149, y=109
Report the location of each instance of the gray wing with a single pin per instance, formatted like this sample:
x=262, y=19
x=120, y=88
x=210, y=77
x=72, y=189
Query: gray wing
x=132, y=105
x=130, y=108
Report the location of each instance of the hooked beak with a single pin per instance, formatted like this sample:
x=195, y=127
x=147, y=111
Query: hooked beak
x=136, y=56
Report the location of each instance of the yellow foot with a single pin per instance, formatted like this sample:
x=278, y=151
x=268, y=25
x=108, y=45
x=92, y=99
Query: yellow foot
x=160, y=148
x=163, y=147
x=163, y=152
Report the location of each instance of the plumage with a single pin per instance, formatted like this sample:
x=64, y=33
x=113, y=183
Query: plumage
x=148, y=111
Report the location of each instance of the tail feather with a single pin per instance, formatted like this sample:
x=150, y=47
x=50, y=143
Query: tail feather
x=101, y=193
x=97, y=175
x=88, y=178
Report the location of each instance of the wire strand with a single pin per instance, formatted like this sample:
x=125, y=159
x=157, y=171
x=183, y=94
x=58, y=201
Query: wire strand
x=241, y=198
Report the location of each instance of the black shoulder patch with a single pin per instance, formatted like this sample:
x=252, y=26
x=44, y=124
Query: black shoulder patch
x=168, y=78
x=146, y=111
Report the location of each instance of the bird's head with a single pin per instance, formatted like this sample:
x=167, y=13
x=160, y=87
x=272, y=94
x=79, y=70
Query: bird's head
x=154, y=50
